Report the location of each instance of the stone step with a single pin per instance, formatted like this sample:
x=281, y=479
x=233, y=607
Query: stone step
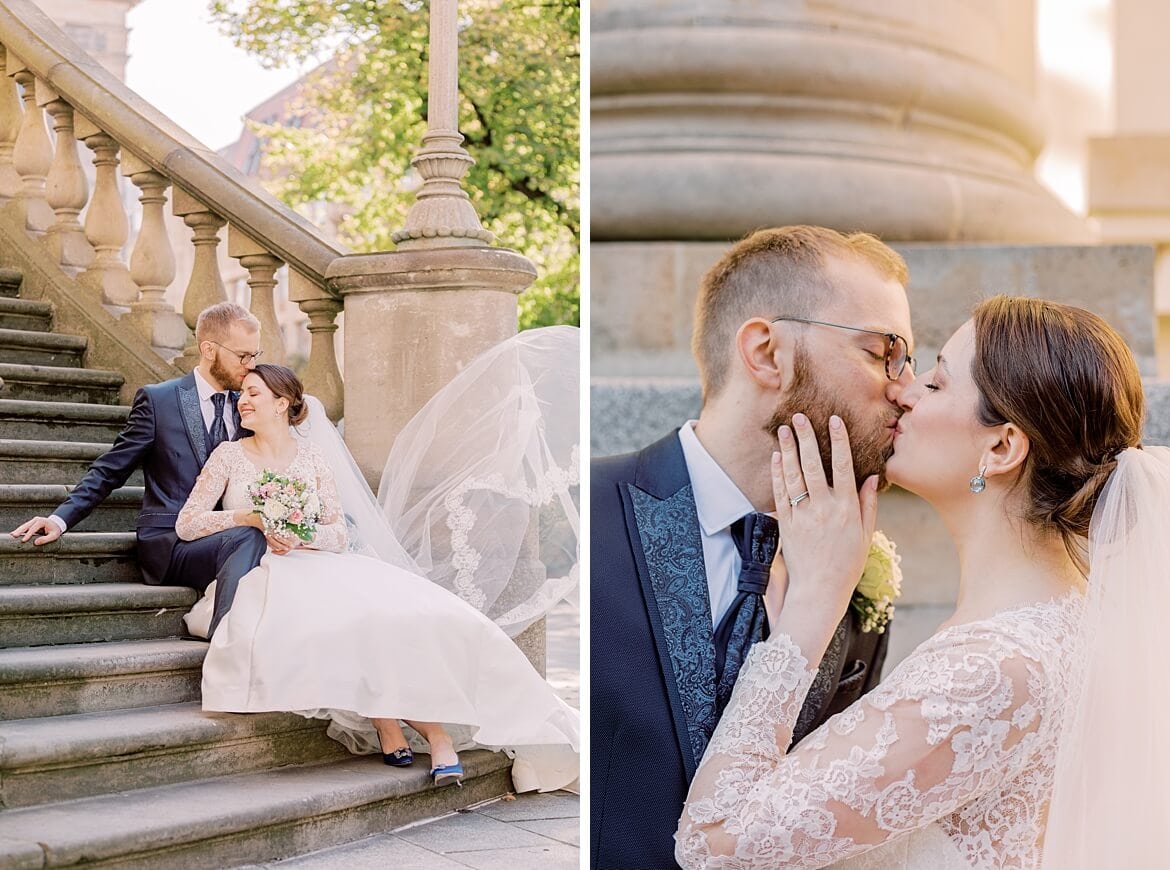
x=22, y=501
x=61, y=421
x=92, y=677
x=42, y=615
x=54, y=383
x=75, y=557
x=41, y=348
x=10, y=281
x=59, y=462
x=65, y=757
x=25, y=314
x=250, y=817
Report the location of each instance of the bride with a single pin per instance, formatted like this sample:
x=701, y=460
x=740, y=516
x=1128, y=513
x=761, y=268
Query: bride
x=345, y=626
x=1031, y=729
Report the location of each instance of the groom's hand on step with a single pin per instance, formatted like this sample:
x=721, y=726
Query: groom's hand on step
x=48, y=530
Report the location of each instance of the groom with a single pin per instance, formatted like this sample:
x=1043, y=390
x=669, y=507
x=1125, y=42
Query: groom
x=796, y=319
x=171, y=430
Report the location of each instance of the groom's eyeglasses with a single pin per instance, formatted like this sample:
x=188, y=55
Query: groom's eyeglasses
x=244, y=357
x=897, y=350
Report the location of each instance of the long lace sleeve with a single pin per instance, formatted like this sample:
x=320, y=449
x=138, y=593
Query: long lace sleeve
x=198, y=518
x=959, y=718
x=331, y=534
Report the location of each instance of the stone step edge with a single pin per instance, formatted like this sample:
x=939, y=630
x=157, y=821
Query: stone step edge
x=83, y=739
x=43, y=340
x=70, y=544
x=107, y=598
x=33, y=448
x=30, y=307
x=62, y=663
x=32, y=493
x=56, y=375
x=65, y=412
x=164, y=818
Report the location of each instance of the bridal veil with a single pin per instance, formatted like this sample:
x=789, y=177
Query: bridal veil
x=1111, y=801
x=479, y=492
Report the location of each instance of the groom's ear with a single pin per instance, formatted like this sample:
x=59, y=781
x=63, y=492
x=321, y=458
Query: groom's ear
x=1007, y=455
x=762, y=354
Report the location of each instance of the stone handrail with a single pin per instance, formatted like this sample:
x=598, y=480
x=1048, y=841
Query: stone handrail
x=42, y=182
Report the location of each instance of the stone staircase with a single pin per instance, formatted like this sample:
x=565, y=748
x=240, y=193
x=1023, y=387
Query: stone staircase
x=106, y=758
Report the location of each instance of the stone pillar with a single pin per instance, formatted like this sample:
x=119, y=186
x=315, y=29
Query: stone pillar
x=416, y=316
x=915, y=121
x=1129, y=172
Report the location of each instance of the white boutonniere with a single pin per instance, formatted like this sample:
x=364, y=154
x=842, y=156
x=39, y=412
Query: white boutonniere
x=880, y=585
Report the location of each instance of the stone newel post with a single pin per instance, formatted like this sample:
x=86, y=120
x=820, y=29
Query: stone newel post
x=415, y=317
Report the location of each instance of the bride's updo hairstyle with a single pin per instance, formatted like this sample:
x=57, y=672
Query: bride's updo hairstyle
x=1068, y=380
x=285, y=385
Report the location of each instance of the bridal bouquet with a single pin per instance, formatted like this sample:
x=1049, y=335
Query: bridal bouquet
x=288, y=505
x=880, y=585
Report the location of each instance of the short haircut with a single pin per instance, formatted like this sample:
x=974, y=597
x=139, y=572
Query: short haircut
x=214, y=321
x=773, y=272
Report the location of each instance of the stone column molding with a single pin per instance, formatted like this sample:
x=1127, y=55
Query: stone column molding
x=106, y=226
x=262, y=267
x=10, y=117
x=32, y=154
x=915, y=121
x=442, y=215
x=66, y=187
x=322, y=377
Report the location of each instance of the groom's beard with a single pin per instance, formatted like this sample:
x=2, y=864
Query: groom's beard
x=869, y=438
x=227, y=379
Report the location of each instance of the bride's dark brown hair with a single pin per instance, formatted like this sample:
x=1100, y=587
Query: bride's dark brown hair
x=1069, y=381
x=284, y=384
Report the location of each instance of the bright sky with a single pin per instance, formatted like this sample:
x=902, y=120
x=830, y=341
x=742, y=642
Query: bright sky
x=183, y=65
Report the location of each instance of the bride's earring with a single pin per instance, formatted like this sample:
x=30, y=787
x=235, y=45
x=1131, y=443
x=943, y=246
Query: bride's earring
x=979, y=482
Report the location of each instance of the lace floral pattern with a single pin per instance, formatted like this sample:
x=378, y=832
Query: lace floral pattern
x=229, y=472
x=461, y=519
x=962, y=733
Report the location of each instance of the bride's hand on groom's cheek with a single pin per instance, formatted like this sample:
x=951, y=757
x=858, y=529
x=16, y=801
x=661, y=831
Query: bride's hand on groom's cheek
x=827, y=532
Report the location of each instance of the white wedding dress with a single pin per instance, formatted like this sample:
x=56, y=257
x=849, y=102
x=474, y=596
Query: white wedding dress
x=339, y=635
x=948, y=763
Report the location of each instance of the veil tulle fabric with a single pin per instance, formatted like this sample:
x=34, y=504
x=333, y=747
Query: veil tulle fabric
x=478, y=493
x=1111, y=800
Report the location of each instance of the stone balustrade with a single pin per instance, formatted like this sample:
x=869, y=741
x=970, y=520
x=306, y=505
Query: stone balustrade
x=416, y=316
x=48, y=82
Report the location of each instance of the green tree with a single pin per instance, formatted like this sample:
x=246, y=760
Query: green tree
x=362, y=116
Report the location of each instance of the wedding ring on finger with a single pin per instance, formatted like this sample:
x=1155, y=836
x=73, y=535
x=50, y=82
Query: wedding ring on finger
x=795, y=501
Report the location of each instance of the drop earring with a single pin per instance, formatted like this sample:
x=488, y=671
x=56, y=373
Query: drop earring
x=979, y=482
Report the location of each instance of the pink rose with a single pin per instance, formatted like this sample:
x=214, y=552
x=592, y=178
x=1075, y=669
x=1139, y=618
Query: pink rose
x=295, y=517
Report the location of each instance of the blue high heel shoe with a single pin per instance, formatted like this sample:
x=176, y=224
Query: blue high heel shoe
x=447, y=774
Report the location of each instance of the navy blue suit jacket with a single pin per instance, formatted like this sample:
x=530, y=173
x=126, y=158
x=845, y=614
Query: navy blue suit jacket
x=652, y=672
x=164, y=434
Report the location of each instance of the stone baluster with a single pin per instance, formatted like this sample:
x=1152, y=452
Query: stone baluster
x=66, y=187
x=32, y=154
x=152, y=263
x=322, y=377
x=106, y=226
x=261, y=266
x=205, y=288
x=10, y=117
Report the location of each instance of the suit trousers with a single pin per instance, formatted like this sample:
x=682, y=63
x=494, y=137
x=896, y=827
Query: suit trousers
x=225, y=557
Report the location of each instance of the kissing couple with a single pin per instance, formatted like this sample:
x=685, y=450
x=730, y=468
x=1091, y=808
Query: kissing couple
x=312, y=602
x=738, y=720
